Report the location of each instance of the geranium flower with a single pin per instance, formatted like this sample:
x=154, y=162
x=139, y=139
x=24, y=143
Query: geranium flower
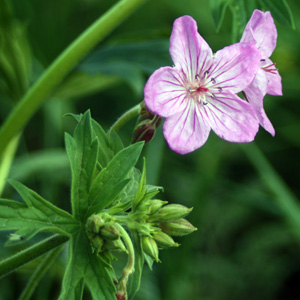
x=199, y=92
x=261, y=31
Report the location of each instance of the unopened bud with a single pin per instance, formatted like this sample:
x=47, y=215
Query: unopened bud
x=171, y=212
x=144, y=132
x=163, y=240
x=94, y=223
x=115, y=245
x=178, y=227
x=97, y=243
x=150, y=247
x=155, y=205
x=110, y=231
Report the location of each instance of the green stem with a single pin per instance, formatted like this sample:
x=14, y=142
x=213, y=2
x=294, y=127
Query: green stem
x=7, y=159
x=128, y=115
x=39, y=273
x=21, y=258
x=129, y=269
x=61, y=66
x=286, y=200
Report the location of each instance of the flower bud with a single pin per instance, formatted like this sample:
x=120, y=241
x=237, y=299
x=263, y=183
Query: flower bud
x=150, y=247
x=171, y=212
x=115, y=245
x=94, y=223
x=178, y=227
x=163, y=240
x=144, y=132
x=155, y=205
x=110, y=231
x=97, y=243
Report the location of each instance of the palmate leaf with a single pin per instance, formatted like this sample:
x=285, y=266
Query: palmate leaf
x=36, y=215
x=82, y=150
x=113, y=179
x=85, y=266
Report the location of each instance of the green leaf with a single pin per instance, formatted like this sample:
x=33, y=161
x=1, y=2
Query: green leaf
x=82, y=150
x=110, y=181
x=218, y=9
x=83, y=265
x=280, y=11
x=239, y=19
x=38, y=215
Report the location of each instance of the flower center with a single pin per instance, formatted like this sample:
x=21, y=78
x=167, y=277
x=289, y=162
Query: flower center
x=202, y=88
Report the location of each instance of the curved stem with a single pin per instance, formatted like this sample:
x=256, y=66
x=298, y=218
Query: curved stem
x=129, y=269
x=21, y=258
x=61, y=66
x=39, y=273
x=7, y=159
x=134, y=111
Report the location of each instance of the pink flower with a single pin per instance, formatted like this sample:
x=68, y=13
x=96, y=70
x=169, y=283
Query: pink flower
x=261, y=31
x=199, y=92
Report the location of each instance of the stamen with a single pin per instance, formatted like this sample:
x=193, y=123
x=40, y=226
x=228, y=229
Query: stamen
x=197, y=77
x=220, y=89
x=213, y=80
x=270, y=68
x=206, y=73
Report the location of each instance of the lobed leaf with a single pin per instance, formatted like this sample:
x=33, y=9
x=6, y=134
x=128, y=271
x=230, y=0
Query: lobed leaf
x=110, y=181
x=85, y=266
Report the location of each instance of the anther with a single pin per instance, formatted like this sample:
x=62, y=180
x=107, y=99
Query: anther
x=197, y=76
x=220, y=89
x=213, y=80
x=206, y=73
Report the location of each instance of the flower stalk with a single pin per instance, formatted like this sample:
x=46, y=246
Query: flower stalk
x=62, y=66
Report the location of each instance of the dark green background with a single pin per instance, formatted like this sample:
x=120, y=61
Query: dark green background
x=244, y=248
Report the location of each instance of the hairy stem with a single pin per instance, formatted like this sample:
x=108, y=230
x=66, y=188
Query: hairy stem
x=128, y=115
x=129, y=269
x=21, y=258
x=61, y=66
x=39, y=273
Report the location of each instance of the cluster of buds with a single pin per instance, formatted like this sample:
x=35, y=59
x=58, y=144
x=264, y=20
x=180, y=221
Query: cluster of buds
x=146, y=125
x=166, y=221
x=104, y=234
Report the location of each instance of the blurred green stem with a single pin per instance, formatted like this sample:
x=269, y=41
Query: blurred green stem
x=39, y=273
x=7, y=159
x=61, y=66
x=286, y=200
x=21, y=258
x=134, y=111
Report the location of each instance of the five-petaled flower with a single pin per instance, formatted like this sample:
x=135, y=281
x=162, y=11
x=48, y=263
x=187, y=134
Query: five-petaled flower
x=199, y=92
x=261, y=31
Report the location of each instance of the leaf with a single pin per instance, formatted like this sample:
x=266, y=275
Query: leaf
x=83, y=265
x=239, y=19
x=110, y=181
x=82, y=150
x=38, y=215
x=280, y=11
x=218, y=9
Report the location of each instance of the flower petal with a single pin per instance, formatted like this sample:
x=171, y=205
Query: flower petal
x=274, y=81
x=189, y=51
x=262, y=30
x=235, y=66
x=188, y=130
x=231, y=118
x=164, y=93
x=255, y=93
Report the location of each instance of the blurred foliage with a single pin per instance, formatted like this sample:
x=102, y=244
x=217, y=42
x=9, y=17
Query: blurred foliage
x=243, y=248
